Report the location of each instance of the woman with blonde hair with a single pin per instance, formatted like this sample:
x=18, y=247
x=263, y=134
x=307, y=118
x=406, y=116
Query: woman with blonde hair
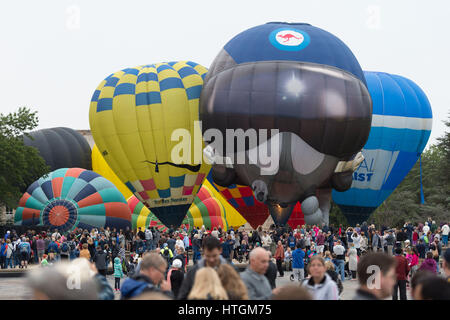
x=207, y=286
x=232, y=283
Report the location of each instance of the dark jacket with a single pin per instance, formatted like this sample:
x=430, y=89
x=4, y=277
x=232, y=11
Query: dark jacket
x=271, y=274
x=364, y=295
x=100, y=260
x=135, y=286
x=105, y=291
x=176, y=280
x=188, y=281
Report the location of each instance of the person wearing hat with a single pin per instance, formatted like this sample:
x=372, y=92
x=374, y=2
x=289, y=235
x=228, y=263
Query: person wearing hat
x=175, y=276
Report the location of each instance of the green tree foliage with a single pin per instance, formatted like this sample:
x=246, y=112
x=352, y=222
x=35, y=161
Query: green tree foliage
x=20, y=165
x=404, y=203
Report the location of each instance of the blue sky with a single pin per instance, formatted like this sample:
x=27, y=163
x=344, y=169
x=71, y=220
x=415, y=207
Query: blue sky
x=54, y=53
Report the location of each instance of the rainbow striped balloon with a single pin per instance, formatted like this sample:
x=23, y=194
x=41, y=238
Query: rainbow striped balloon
x=66, y=199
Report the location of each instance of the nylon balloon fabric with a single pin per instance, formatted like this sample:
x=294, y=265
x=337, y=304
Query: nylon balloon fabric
x=401, y=125
x=133, y=116
x=66, y=199
x=295, y=92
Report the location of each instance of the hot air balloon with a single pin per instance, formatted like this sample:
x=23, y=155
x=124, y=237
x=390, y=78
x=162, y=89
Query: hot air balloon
x=206, y=210
x=296, y=218
x=141, y=217
x=100, y=166
x=243, y=201
x=61, y=148
x=306, y=87
x=401, y=126
x=138, y=117
x=66, y=199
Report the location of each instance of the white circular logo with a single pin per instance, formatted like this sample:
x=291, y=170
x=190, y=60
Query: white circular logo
x=289, y=38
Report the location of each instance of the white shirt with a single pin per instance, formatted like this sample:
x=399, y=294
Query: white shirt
x=339, y=250
x=425, y=229
x=445, y=230
x=180, y=243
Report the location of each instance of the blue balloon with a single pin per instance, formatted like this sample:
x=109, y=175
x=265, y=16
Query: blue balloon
x=401, y=125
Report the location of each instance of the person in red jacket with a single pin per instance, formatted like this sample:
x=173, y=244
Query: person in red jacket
x=402, y=271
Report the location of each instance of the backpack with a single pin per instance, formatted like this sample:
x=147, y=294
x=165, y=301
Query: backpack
x=64, y=247
x=23, y=248
x=166, y=254
x=72, y=246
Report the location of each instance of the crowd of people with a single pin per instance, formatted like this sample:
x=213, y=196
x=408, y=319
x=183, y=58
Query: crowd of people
x=204, y=264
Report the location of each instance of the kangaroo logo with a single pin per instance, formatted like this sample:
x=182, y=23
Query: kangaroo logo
x=287, y=39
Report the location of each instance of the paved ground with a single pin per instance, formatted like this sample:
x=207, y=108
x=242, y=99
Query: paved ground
x=15, y=288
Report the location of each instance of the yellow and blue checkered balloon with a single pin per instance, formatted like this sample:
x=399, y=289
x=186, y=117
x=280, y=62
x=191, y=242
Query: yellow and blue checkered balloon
x=132, y=116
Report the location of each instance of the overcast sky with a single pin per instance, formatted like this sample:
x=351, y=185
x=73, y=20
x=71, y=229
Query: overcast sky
x=54, y=53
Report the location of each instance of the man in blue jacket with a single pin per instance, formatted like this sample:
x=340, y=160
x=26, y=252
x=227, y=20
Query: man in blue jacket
x=151, y=278
x=298, y=264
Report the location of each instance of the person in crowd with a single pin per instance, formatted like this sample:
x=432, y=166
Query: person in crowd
x=376, y=268
x=402, y=271
x=413, y=260
x=279, y=257
x=100, y=261
x=434, y=288
x=258, y=286
x=291, y=292
x=149, y=279
x=429, y=263
x=25, y=251
x=352, y=254
x=339, y=251
x=85, y=253
x=319, y=284
x=175, y=276
x=232, y=283
x=446, y=264
x=207, y=286
x=298, y=265
x=271, y=273
x=54, y=282
x=288, y=259
x=118, y=273
x=212, y=250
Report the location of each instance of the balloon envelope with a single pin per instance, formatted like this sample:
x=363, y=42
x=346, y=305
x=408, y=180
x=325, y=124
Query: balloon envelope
x=302, y=81
x=143, y=218
x=206, y=210
x=133, y=115
x=100, y=166
x=401, y=126
x=243, y=201
x=73, y=198
x=61, y=148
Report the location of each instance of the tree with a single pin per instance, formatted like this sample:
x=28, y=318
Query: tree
x=20, y=165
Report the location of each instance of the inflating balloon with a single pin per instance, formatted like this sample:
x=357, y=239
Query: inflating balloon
x=137, y=117
x=61, y=148
x=143, y=218
x=100, y=166
x=296, y=219
x=66, y=199
x=401, y=126
x=243, y=201
x=206, y=210
x=303, y=82
x=234, y=218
